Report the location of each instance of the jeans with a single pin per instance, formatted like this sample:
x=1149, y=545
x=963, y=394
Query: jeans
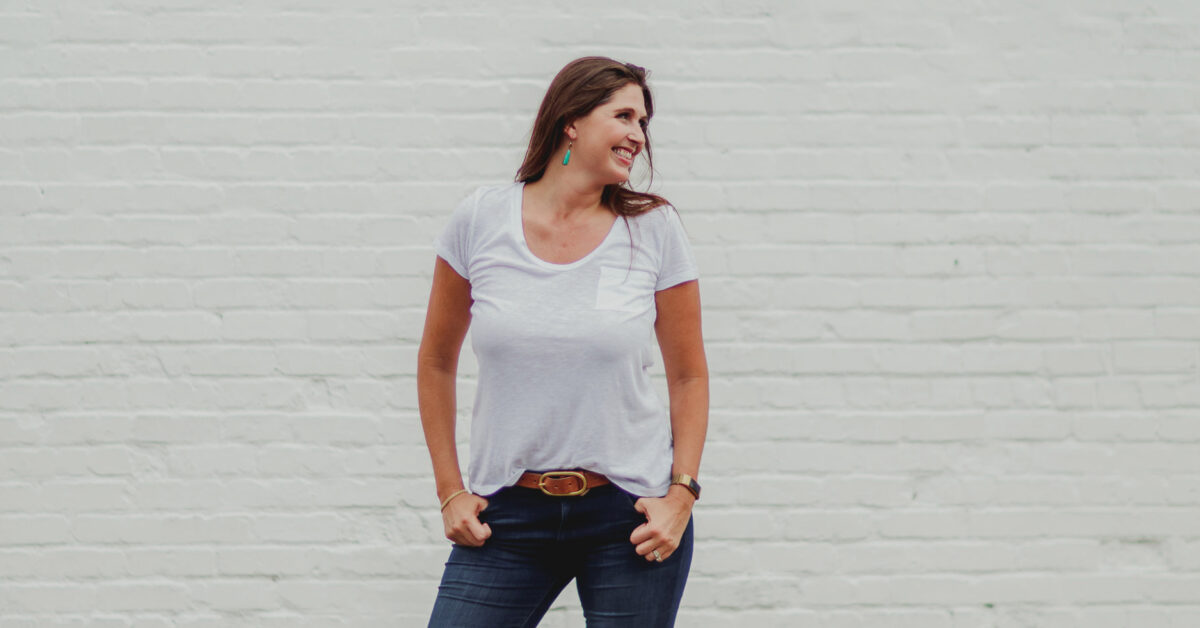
x=539, y=543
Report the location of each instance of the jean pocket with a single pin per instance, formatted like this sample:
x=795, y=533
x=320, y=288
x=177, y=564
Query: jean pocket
x=493, y=502
x=630, y=498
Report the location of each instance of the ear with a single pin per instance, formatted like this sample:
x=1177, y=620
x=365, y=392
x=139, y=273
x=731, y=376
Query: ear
x=571, y=132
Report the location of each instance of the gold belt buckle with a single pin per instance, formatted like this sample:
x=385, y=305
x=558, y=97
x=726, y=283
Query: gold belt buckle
x=563, y=474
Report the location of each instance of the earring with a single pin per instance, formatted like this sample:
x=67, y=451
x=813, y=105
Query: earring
x=567, y=157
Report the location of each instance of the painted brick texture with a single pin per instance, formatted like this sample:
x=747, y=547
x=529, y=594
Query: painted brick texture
x=950, y=258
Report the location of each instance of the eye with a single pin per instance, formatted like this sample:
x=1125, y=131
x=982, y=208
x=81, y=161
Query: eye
x=643, y=122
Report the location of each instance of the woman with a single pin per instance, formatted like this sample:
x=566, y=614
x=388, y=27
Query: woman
x=577, y=471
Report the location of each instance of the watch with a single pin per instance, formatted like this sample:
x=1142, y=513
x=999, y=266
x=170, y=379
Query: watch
x=688, y=482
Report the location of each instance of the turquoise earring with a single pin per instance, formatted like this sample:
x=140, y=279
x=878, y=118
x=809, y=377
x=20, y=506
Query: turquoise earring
x=567, y=157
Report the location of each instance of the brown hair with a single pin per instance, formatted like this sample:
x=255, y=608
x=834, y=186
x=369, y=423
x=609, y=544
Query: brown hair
x=577, y=89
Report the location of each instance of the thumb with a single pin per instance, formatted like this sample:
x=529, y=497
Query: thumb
x=478, y=530
x=640, y=505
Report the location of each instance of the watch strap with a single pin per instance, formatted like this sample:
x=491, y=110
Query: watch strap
x=688, y=482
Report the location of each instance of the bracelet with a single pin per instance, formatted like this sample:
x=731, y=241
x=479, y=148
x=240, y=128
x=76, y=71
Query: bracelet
x=452, y=496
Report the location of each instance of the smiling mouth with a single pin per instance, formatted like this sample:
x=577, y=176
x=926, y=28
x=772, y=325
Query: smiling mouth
x=624, y=154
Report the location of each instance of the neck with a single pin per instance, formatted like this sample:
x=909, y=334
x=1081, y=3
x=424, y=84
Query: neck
x=566, y=195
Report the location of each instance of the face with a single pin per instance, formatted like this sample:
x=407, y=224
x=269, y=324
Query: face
x=611, y=136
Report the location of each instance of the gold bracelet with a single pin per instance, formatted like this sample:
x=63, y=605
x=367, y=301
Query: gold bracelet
x=452, y=496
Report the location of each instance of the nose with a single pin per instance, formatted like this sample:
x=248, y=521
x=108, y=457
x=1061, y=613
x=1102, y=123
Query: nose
x=637, y=136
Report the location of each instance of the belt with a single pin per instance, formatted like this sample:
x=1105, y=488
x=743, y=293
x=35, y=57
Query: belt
x=567, y=483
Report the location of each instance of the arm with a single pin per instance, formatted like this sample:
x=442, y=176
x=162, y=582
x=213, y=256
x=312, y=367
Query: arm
x=446, y=323
x=681, y=341
x=682, y=344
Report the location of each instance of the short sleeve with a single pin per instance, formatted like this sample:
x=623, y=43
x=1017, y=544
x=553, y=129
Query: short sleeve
x=677, y=262
x=454, y=242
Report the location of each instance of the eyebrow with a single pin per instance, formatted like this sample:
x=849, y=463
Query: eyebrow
x=631, y=110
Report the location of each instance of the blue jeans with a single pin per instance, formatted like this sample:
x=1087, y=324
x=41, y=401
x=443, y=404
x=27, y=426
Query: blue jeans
x=539, y=543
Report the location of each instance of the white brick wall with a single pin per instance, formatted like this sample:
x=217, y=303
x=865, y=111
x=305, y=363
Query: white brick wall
x=951, y=260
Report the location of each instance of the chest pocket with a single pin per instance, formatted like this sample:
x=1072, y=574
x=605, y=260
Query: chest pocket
x=624, y=289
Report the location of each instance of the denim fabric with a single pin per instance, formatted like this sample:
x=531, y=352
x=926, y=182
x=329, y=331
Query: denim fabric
x=540, y=543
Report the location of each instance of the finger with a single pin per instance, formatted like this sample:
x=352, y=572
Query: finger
x=664, y=551
x=650, y=557
x=664, y=545
x=650, y=533
x=640, y=505
x=641, y=534
x=468, y=531
x=478, y=532
x=466, y=540
x=487, y=532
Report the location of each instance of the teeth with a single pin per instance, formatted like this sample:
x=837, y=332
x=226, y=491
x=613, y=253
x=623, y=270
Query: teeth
x=623, y=152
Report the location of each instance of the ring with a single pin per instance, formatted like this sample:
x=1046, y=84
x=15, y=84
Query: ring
x=657, y=556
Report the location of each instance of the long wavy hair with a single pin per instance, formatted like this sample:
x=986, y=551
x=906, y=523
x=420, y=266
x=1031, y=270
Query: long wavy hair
x=577, y=89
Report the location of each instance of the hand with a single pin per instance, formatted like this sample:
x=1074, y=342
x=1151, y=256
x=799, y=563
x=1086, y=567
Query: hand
x=666, y=520
x=461, y=520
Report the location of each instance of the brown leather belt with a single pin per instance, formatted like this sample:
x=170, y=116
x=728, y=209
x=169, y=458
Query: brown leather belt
x=567, y=483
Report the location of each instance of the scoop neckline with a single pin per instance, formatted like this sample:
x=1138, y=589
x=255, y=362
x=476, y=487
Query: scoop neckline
x=518, y=224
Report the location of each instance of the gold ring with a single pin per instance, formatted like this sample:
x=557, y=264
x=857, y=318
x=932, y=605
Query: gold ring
x=657, y=556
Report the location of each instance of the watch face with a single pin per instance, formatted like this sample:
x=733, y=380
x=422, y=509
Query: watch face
x=689, y=482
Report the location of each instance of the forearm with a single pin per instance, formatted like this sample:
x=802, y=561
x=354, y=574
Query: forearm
x=436, y=400
x=689, y=423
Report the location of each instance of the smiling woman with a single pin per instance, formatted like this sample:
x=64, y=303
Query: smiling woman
x=590, y=92
x=577, y=469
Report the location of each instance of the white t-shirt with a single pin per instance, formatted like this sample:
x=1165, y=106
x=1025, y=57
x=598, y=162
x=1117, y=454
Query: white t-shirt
x=564, y=349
